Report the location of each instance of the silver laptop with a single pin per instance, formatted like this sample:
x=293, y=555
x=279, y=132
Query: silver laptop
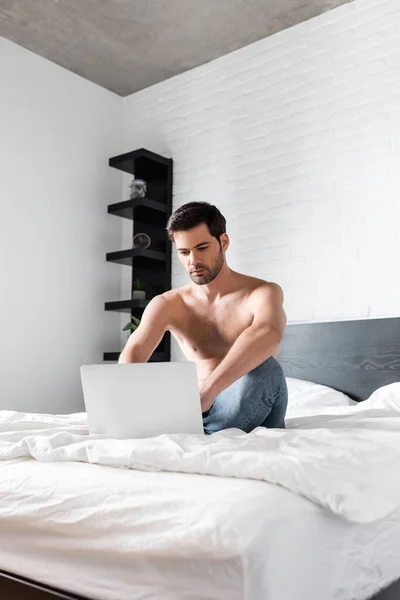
x=142, y=399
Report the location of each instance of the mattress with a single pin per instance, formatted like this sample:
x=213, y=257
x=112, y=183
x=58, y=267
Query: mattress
x=76, y=525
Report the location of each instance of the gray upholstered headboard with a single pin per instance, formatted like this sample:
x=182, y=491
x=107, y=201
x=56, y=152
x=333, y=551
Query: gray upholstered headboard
x=355, y=357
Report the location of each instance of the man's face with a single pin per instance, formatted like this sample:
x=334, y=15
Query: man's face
x=200, y=253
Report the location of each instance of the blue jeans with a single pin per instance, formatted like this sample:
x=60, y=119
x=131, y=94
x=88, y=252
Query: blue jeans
x=259, y=398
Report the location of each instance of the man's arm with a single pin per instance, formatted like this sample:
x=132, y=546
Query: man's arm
x=145, y=339
x=253, y=346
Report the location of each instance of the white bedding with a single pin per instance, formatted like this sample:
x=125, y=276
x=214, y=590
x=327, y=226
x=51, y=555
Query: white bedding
x=121, y=533
x=305, y=395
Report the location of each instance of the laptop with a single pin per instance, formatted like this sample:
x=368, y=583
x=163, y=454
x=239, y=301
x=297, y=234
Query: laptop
x=139, y=400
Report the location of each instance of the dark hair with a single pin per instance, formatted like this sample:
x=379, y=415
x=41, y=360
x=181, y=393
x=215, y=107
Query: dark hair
x=193, y=214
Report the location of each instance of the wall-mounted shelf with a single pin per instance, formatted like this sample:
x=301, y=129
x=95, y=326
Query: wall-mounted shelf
x=143, y=258
x=142, y=209
x=126, y=306
x=142, y=162
x=155, y=357
x=148, y=215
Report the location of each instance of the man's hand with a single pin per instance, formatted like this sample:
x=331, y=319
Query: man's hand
x=206, y=396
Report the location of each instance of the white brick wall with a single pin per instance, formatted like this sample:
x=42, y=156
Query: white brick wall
x=296, y=139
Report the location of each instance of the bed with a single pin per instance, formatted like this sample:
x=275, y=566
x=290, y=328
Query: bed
x=222, y=537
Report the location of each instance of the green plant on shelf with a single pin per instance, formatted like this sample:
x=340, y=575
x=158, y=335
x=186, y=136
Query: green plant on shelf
x=138, y=285
x=132, y=325
x=138, y=292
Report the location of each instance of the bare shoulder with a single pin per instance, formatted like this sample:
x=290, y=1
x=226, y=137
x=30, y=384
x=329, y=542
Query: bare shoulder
x=265, y=296
x=175, y=296
x=165, y=301
x=260, y=288
x=265, y=302
x=267, y=290
x=172, y=302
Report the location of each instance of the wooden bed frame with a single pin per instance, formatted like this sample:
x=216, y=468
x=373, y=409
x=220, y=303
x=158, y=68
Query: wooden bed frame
x=355, y=357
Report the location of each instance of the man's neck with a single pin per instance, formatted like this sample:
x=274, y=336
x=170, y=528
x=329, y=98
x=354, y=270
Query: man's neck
x=224, y=283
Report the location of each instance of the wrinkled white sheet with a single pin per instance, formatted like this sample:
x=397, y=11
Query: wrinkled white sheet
x=348, y=465
x=123, y=534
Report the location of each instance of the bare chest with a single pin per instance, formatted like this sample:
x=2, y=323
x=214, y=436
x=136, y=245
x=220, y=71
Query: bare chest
x=205, y=334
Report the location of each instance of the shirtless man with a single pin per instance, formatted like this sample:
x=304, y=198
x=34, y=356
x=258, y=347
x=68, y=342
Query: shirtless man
x=228, y=323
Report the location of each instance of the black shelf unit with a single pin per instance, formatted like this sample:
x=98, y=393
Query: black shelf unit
x=148, y=215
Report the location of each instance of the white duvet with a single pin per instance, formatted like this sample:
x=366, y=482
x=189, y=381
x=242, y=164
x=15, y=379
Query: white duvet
x=347, y=460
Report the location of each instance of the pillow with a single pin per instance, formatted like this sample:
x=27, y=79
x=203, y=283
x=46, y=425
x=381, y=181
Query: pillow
x=309, y=395
x=387, y=396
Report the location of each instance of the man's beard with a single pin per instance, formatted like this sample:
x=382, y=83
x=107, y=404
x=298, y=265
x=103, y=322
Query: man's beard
x=209, y=273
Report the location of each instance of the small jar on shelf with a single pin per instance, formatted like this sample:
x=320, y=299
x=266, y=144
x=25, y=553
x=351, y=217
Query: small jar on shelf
x=138, y=189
